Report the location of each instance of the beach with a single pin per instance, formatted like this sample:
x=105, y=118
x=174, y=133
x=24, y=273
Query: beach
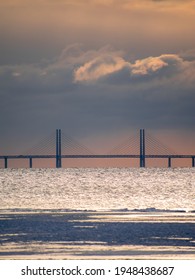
x=97, y=235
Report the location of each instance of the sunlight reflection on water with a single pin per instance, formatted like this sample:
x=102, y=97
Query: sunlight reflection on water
x=98, y=189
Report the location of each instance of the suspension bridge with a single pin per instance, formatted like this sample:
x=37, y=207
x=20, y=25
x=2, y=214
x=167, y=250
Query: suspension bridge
x=60, y=146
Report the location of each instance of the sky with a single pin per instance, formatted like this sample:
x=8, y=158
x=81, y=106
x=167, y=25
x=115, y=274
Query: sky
x=97, y=69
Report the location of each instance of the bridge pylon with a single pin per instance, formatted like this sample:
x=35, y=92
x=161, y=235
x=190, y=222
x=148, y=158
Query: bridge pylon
x=142, y=148
x=58, y=149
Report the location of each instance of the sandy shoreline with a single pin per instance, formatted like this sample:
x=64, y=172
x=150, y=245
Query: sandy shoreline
x=97, y=235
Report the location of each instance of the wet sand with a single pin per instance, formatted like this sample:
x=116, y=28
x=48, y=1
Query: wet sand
x=97, y=235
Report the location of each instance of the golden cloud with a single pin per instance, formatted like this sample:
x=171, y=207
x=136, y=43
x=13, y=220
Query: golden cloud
x=108, y=64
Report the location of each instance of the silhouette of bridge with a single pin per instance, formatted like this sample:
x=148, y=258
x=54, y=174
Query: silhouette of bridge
x=67, y=148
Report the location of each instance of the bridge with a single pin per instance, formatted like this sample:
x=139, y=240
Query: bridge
x=75, y=150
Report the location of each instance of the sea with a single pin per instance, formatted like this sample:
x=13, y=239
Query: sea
x=97, y=213
x=147, y=189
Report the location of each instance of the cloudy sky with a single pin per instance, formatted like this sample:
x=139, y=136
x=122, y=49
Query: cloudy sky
x=97, y=69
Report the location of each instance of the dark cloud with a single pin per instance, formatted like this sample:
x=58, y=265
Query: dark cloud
x=30, y=31
x=113, y=95
x=49, y=80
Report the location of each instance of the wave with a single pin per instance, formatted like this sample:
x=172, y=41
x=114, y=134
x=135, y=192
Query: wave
x=119, y=210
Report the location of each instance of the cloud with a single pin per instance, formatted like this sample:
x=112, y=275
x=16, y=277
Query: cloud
x=147, y=65
x=98, y=67
x=32, y=30
x=45, y=76
x=75, y=66
x=172, y=63
x=107, y=64
x=164, y=4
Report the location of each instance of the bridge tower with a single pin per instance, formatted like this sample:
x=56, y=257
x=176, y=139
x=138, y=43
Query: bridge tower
x=142, y=148
x=6, y=162
x=58, y=149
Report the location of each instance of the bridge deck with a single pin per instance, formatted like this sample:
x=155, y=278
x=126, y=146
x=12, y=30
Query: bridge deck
x=93, y=156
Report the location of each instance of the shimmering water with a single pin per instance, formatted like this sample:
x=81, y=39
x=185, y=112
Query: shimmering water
x=97, y=213
x=149, y=189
